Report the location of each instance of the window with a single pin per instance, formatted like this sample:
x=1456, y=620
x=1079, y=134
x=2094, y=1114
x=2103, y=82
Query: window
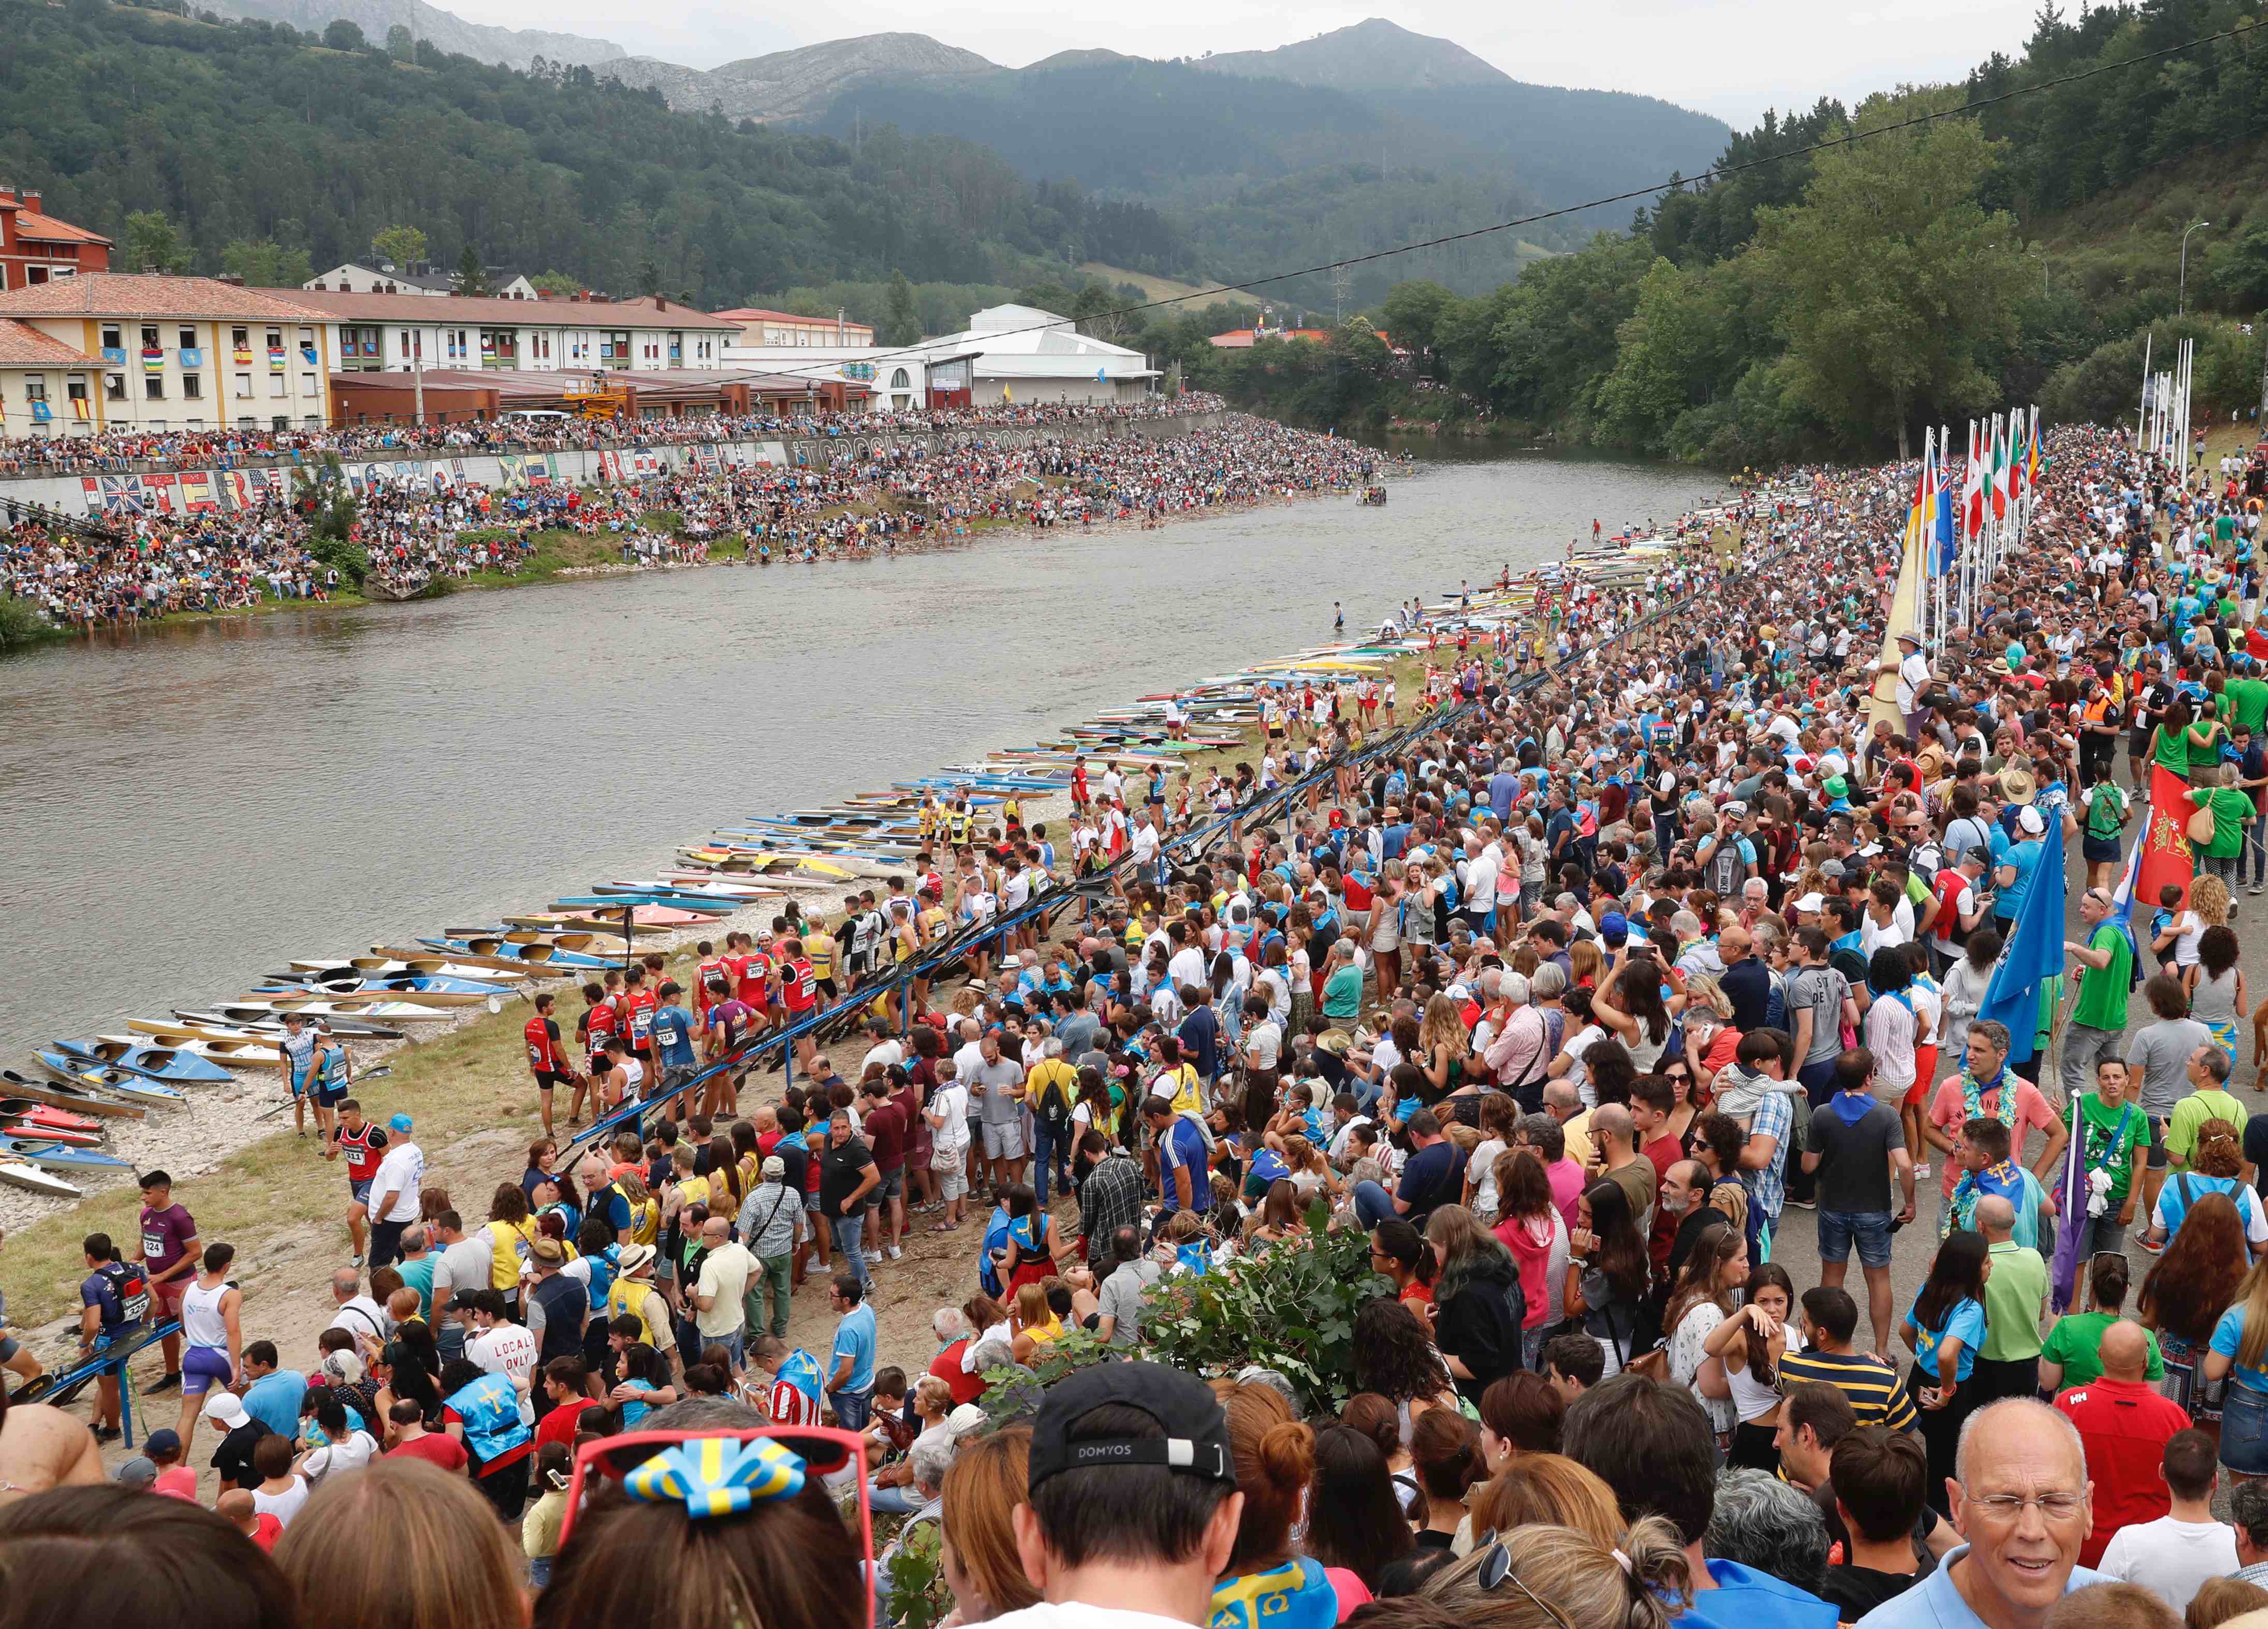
x=282, y=421
x=314, y=421
x=196, y=423
x=153, y=387
x=112, y=337
x=241, y=340
x=898, y=380
x=278, y=385
x=193, y=386
x=246, y=421
x=149, y=337
x=154, y=424
x=114, y=386
x=188, y=339
x=35, y=387
x=244, y=387
x=307, y=388
x=75, y=387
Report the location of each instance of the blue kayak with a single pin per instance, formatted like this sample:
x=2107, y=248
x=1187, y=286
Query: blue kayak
x=59, y=1156
x=550, y=955
x=153, y=1063
x=118, y=1082
x=706, y=904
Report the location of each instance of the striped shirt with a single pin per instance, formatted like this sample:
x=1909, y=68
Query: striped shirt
x=1878, y=1395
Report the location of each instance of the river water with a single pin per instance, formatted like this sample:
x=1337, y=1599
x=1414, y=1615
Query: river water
x=185, y=808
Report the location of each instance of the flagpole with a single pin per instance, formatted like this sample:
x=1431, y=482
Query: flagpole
x=2145, y=405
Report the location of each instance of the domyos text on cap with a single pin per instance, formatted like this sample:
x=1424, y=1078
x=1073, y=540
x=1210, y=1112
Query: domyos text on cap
x=1194, y=1431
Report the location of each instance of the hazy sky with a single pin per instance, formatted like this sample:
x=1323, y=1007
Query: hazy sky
x=1731, y=60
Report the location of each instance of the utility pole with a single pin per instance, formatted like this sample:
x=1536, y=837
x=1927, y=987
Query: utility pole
x=2182, y=301
x=2262, y=326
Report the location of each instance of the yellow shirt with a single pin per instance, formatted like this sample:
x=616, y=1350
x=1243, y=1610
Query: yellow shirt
x=1185, y=1090
x=819, y=949
x=505, y=1239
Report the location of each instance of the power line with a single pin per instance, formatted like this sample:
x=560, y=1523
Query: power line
x=1717, y=173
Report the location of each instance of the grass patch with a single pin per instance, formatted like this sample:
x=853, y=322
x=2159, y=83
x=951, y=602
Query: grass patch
x=473, y=1080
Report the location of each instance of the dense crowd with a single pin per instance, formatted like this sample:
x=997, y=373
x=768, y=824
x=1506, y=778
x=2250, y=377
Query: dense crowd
x=1680, y=940
x=126, y=450
x=131, y=567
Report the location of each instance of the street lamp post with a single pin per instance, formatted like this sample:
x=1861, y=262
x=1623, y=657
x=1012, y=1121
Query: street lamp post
x=2182, y=301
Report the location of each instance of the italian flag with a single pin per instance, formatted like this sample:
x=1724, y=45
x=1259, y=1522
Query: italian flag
x=2000, y=467
x=1972, y=490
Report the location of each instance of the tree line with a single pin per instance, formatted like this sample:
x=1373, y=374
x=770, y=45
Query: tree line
x=269, y=150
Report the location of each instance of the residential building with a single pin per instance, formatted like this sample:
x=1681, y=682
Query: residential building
x=182, y=353
x=1244, y=339
x=36, y=247
x=384, y=276
x=775, y=330
x=897, y=381
x=376, y=333
x=47, y=388
x=1019, y=353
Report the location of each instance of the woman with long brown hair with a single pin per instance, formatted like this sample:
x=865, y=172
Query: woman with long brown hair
x=1703, y=1302
x=2186, y=1293
x=990, y=1478
x=1748, y=1347
x=428, y=1553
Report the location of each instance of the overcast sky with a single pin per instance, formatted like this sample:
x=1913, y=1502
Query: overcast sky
x=1731, y=60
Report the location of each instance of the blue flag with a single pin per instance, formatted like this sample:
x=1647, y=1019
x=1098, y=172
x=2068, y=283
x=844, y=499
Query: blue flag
x=1948, y=546
x=2035, y=950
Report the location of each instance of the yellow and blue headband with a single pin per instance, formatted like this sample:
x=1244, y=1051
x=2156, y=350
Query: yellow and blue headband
x=718, y=1475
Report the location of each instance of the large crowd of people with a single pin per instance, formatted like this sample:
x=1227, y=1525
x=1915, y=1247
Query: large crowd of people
x=1657, y=956
x=127, y=568
x=124, y=451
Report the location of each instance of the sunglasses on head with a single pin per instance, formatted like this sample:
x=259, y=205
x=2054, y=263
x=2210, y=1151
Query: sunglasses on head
x=1496, y=1571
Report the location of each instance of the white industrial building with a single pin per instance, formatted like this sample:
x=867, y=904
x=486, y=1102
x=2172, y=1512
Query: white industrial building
x=1020, y=353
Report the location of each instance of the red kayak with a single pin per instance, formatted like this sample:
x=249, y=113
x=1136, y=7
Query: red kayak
x=22, y=1115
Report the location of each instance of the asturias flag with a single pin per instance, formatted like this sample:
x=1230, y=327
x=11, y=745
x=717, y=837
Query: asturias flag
x=1972, y=490
x=2034, y=952
x=2164, y=839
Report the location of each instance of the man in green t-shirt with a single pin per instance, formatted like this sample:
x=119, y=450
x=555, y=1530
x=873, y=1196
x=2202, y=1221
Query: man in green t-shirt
x=2105, y=966
x=2248, y=702
x=2015, y=1300
x=2208, y=1073
x=2116, y=1140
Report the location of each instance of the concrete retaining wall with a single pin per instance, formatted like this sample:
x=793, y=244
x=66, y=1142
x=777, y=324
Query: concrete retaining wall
x=223, y=490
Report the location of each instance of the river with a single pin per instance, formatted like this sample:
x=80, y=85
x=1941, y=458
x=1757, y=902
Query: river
x=187, y=807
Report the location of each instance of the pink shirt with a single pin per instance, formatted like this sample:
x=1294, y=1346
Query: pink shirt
x=1947, y=1110
x=1566, y=1177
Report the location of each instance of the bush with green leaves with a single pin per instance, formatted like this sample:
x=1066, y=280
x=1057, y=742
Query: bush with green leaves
x=1014, y=1393
x=1290, y=1309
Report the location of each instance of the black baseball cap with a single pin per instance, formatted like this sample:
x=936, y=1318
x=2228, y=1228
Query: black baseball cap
x=1196, y=1439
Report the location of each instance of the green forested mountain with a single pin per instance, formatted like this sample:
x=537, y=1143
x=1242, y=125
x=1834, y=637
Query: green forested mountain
x=250, y=131
x=1839, y=303
x=1267, y=172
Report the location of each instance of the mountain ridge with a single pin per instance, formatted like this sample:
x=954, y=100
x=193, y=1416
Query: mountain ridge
x=485, y=42
x=784, y=86
x=1371, y=54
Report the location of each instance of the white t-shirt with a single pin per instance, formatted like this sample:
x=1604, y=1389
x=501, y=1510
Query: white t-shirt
x=1080, y=1615
x=2170, y=1558
x=350, y=1452
x=399, y=1173
x=282, y=1506
x=952, y=1102
x=1483, y=1165
x=1262, y=1044
x=508, y=1350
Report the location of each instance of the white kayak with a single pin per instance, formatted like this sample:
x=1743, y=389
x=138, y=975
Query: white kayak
x=395, y=966
x=240, y=1011
x=248, y=1051
x=31, y=1177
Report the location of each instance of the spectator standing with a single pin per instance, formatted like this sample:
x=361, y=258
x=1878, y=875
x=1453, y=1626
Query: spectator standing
x=1855, y=1145
x=2124, y=1427
x=850, y=1381
x=2015, y=1301
x=2175, y=1554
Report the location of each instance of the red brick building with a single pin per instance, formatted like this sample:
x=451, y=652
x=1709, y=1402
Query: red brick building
x=37, y=248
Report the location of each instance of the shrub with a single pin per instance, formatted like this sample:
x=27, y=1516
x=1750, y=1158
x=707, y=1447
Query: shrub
x=1292, y=1309
x=21, y=625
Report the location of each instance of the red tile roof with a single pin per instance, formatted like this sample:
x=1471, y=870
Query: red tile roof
x=136, y=294
x=751, y=313
x=48, y=229
x=644, y=311
x=23, y=346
